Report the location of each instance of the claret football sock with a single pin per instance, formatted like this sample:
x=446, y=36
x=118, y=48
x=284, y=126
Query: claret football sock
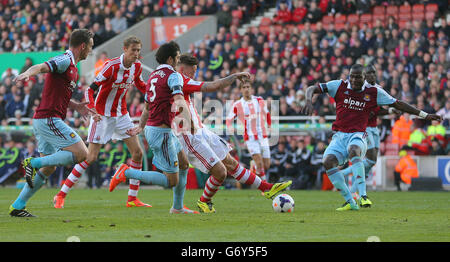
x=28, y=192
x=368, y=164
x=60, y=158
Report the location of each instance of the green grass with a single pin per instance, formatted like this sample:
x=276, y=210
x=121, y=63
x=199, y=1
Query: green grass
x=242, y=215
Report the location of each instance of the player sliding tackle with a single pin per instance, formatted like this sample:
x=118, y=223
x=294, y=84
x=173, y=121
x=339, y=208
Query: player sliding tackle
x=112, y=82
x=354, y=103
x=58, y=144
x=207, y=151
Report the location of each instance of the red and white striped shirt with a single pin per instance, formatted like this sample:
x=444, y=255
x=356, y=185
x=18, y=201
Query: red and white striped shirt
x=254, y=114
x=113, y=81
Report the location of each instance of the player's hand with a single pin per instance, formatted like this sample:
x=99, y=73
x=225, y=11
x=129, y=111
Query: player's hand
x=22, y=77
x=434, y=117
x=243, y=76
x=134, y=131
x=84, y=110
x=308, y=109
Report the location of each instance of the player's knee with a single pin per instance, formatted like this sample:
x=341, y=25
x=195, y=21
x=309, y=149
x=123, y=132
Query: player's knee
x=172, y=180
x=353, y=151
x=219, y=172
x=329, y=162
x=48, y=170
x=184, y=165
x=81, y=155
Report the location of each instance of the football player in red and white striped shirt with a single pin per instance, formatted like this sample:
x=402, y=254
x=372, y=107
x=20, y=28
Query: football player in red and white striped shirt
x=207, y=151
x=253, y=113
x=116, y=77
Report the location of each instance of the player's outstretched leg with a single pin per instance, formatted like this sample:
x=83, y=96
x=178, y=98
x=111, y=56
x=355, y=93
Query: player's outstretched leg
x=338, y=181
x=17, y=209
x=178, y=195
x=148, y=177
x=77, y=171
x=218, y=174
x=133, y=200
x=360, y=181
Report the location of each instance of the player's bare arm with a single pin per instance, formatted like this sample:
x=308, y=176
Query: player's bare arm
x=32, y=71
x=405, y=107
x=310, y=91
x=84, y=110
x=224, y=82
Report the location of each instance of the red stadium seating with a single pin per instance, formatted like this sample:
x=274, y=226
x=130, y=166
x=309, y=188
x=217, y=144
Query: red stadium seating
x=431, y=8
x=265, y=21
x=418, y=8
x=237, y=14
x=353, y=19
x=365, y=18
x=405, y=17
x=339, y=26
x=379, y=10
x=392, y=10
x=430, y=15
x=328, y=19
x=383, y=18
x=340, y=19
x=404, y=9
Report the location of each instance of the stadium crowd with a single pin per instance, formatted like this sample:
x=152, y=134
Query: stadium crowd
x=296, y=49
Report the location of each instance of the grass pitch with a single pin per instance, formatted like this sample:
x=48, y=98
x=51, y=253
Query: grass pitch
x=242, y=216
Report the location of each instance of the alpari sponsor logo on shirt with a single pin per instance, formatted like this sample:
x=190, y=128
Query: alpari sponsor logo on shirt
x=158, y=72
x=354, y=104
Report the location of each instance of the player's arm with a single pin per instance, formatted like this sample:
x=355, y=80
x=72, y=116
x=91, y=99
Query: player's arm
x=224, y=82
x=140, y=83
x=383, y=98
x=230, y=117
x=83, y=109
x=32, y=71
x=329, y=87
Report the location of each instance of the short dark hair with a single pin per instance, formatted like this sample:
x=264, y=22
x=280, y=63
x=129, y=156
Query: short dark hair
x=357, y=67
x=80, y=36
x=188, y=59
x=167, y=50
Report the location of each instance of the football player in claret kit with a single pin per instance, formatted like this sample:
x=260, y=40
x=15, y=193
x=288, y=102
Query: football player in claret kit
x=373, y=134
x=58, y=144
x=207, y=151
x=253, y=113
x=163, y=98
x=354, y=103
x=112, y=82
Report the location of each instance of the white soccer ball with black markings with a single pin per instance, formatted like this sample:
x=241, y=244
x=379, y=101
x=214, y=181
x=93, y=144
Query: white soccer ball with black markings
x=283, y=203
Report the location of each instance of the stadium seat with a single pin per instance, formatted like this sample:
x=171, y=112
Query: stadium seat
x=340, y=19
x=380, y=16
x=353, y=19
x=430, y=15
x=265, y=21
x=264, y=29
x=431, y=8
x=418, y=8
x=392, y=10
x=419, y=16
x=404, y=9
x=379, y=9
x=365, y=18
x=402, y=24
x=339, y=26
x=328, y=19
x=404, y=17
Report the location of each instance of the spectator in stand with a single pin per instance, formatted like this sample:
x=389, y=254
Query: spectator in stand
x=119, y=23
x=283, y=15
x=445, y=113
x=299, y=11
x=402, y=130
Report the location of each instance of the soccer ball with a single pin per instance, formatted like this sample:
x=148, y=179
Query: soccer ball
x=283, y=203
